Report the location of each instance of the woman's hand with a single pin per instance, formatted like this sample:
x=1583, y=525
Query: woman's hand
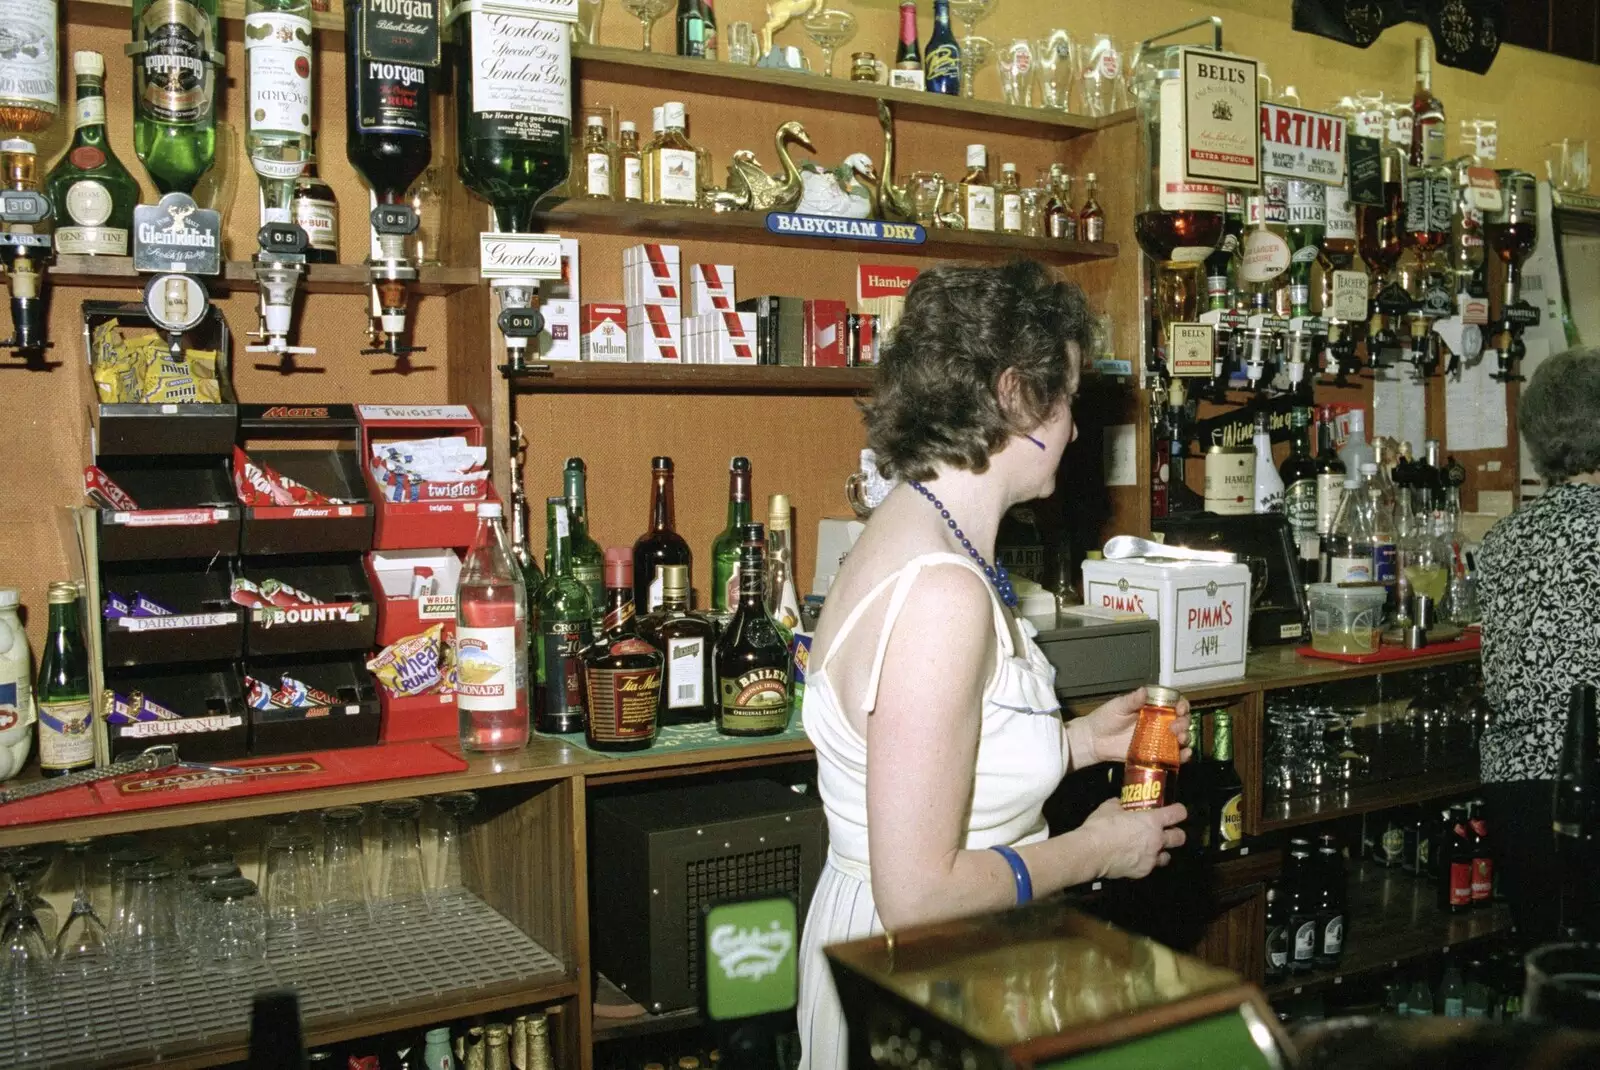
x=1130, y=843
x=1104, y=735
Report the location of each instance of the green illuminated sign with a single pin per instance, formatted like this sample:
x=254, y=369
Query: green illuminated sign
x=751, y=953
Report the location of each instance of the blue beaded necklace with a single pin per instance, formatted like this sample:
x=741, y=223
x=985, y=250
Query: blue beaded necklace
x=998, y=576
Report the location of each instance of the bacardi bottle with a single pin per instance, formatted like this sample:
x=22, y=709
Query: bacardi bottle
x=564, y=629
x=277, y=45
x=29, y=93
x=752, y=656
x=91, y=193
x=491, y=642
x=61, y=695
x=175, y=61
x=725, y=548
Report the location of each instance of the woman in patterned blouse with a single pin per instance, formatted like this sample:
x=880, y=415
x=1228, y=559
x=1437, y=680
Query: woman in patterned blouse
x=1539, y=576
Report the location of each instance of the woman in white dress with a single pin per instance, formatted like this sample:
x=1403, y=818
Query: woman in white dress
x=933, y=713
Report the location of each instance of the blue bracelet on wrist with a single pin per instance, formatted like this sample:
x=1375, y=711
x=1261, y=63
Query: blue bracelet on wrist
x=1019, y=870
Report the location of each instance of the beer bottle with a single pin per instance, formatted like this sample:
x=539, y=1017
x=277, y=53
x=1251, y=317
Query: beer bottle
x=1300, y=877
x=1147, y=775
x=1277, y=933
x=1482, y=862
x=1330, y=906
x=1225, y=825
x=1456, y=894
x=61, y=695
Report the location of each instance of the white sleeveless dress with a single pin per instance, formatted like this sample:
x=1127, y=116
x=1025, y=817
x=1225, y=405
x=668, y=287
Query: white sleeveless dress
x=1021, y=758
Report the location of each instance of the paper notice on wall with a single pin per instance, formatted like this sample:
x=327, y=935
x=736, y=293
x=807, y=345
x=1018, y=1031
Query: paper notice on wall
x=1121, y=455
x=1475, y=409
x=1399, y=408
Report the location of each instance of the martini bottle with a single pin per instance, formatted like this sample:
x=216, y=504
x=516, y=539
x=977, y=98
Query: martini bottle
x=175, y=60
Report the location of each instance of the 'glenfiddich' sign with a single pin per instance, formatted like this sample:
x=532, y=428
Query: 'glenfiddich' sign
x=175, y=234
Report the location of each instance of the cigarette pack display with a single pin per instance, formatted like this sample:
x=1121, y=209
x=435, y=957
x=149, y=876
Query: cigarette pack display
x=710, y=289
x=780, y=328
x=863, y=351
x=827, y=332
x=210, y=723
x=414, y=512
x=559, y=301
x=157, y=428
x=605, y=334
x=881, y=291
x=721, y=338
x=204, y=624
x=413, y=589
x=186, y=510
x=311, y=607
x=655, y=334
x=351, y=722
x=1203, y=610
x=652, y=275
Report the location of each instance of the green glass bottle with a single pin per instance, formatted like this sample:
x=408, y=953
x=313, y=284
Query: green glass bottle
x=90, y=191
x=588, y=560
x=175, y=60
x=565, y=628
x=725, y=547
x=61, y=695
x=532, y=583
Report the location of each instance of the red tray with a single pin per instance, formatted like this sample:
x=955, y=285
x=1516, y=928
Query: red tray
x=1469, y=641
x=428, y=716
x=268, y=776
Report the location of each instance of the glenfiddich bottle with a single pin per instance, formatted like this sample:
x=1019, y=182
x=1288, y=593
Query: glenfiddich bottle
x=388, y=115
x=564, y=630
x=514, y=120
x=752, y=657
x=588, y=561
x=687, y=641
x=91, y=193
x=725, y=548
x=175, y=60
x=621, y=670
x=61, y=694
x=660, y=544
x=315, y=210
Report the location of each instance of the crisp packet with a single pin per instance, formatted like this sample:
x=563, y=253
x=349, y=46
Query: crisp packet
x=402, y=468
x=145, y=606
x=258, y=484
x=117, y=607
x=413, y=665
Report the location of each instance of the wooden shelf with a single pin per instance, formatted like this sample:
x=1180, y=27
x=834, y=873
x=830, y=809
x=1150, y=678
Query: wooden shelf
x=1360, y=798
x=667, y=72
x=117, y=271
x=1391, y=917
x=694, y=378
x=639, y=1023
x=331, y=19
x=750, y=228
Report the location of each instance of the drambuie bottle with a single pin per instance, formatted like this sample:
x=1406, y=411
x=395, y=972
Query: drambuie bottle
x=1153, y=756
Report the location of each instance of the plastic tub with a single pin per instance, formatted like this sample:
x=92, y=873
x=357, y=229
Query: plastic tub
x=1346, y=620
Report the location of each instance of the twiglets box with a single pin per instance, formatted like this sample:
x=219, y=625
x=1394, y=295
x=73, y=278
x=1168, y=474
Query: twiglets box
x=1203, y=609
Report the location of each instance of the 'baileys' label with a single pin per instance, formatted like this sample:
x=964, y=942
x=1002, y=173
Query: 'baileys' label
x=755, y=701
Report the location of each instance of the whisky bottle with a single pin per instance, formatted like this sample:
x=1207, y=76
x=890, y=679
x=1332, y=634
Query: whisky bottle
x=725, y=547
x=61, y=694
x=1091, y=217
x=752, y=657
x=1010, y=196
x=630, y=164
x=676, y=161
x=1427, y=113
x=976, y=195
x=564, y=629
x=599, y=159
x=587, y=559
x=1060, y=219
x=660, y=544
x=658, y=127
x=174, y=87
x=316, y=211
x=91, y=193
x=687, y=641
x=622, y=671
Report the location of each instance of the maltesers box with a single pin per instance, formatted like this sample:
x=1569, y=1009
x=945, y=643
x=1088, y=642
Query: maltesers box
x=720, y=338
x=710, y=289
x=652, y=275
x=655, y=334
x=827, y=329
x=605, y=333
x=559, y=302
x=1203, y=610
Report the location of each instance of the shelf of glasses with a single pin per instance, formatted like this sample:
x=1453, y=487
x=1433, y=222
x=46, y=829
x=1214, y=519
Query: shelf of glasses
x=670, y=73
x=1363, y=797
x=400, y=974
x=750, y=228
x=1391, y=918
x=117, y=271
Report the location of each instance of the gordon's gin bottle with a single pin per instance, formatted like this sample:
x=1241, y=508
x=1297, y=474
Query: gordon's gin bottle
x=491, y=642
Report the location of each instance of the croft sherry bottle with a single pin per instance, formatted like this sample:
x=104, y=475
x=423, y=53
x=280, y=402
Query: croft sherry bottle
x=660, y=544
x=514, y=111
x=564, y=630
x=621, y=670
x=388, y=114
x=752, y=657
x=687, y=641
x=61, y=694
x=725, y=548
x=175, y=59
x=91, y=193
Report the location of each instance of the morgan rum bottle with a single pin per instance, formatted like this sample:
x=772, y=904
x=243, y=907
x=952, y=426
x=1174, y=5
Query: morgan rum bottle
x=752, y=656
x=66, y=719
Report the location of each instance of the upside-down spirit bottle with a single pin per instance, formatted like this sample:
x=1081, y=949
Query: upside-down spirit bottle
x=176, y=55
x=660, y=544
x=726, y=546
x=514, y=111
x=277, y=45
x=752, y=655
x=491, y=642
x=314, y=209
x=388, y=115
x=565, y=627
x=91, y=193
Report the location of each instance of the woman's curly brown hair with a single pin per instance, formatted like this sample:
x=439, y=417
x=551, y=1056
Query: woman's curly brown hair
x=936, y=397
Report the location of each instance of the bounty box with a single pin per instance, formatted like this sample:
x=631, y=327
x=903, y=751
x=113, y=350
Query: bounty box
x=1203, y=609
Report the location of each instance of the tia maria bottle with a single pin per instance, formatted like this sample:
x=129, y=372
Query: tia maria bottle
x=388, y=125
x=622, y=671
x=491, y=642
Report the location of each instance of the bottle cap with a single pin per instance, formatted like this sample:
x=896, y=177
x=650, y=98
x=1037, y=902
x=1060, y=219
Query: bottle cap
x=92, y=64
x=1369, y=468
x=62, y=591
x=627, y=127
x=9, y=596
x=658, y=119
x=596, y=120
x=575, y=464
x=1008, y=168
x=619, y=566
x=754, y=533
x=488, y=509
x=675, y=581
x=977, y=156
x=1351, y=482
x=1162, y=696
x=778, y=512
x=673, y=115
x=661, y=462
x=1090, y=177
x=739, y=464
